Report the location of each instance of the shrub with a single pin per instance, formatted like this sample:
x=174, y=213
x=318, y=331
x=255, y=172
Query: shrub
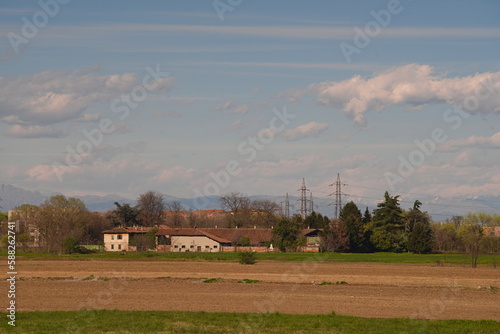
x=246, y=280
x=244, y=241
x=70, y=245
x=211, y=280
x=247, y=257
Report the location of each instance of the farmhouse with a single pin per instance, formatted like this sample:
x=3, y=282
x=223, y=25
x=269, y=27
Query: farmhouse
x=313, y=241
x=203, y=239
x=188, y=240
x=118, y=239
x=491, y=231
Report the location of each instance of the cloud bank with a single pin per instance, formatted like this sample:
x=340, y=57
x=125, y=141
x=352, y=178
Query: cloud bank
x=412, y=84
x=33, y=104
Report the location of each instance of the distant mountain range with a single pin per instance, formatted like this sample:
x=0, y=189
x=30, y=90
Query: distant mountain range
x=440, y=208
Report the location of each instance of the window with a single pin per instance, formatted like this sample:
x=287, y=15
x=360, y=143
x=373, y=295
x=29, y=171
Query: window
x=119, y=237
x=192, y=246
x=112, y=237
x=215, y=246
x=176, y=246
x=183, y=246
x=207, y=246
x=120, y=246
x=112, y=246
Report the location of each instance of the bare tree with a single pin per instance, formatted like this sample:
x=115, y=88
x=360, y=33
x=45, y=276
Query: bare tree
x=151, y=206
x=265, y=212
x=234, y=202
x=175, y=214
x=239, y=205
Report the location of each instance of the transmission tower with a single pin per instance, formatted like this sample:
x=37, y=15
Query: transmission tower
x=286, y=206
x=338, y=196
x=311, y=203
x=303, y=200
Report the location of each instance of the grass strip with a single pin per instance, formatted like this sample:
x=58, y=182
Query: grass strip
x=113, y=321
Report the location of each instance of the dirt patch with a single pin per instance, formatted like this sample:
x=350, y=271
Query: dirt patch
x=372, y=290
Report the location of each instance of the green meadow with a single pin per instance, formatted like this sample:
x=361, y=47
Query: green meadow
x=102, y=321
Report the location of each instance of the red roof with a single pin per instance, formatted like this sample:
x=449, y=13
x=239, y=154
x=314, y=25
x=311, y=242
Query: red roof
x=191, y=232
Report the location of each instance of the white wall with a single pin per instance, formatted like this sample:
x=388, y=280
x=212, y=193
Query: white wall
x=194, y=244
x=113, y=244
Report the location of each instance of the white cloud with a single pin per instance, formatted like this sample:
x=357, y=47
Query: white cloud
x=243, y=109
x=52, y=97
x=232, y=107
x=312, y=129
x=413, y=85
x=224, y=106
x=88, y=117
x=34, y=131
x=473, y=141
x=473, y=158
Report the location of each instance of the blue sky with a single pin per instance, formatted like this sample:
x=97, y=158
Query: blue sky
x=414, y=72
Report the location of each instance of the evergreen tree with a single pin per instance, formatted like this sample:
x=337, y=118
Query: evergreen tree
x=367, y=232
x=388, y=225
x=351, y=216
x=286, y=232
x=419, y=231
x=420, y=239
x=316, y=220
x=367, y=217
x=124, y=215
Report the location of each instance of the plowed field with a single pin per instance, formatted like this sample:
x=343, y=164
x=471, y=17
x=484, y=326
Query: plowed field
x=359, y=289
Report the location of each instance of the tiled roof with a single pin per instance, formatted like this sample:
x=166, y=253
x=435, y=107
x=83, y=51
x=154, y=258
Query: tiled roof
x=256, y=235
x=307, y=231
x=191, y=232
x=118, y=230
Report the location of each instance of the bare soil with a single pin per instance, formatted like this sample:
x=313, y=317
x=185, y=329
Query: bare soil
x=372, y=289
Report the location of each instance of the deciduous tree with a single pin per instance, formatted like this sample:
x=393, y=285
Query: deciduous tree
x=151, y=206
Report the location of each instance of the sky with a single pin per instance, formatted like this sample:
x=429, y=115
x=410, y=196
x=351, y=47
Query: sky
x=198, y=98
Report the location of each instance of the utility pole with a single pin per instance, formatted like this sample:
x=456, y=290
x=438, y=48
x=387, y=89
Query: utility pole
x=303, y=200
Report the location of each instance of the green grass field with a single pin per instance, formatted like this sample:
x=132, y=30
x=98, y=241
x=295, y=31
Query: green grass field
x=95, y=322
x=436, y=259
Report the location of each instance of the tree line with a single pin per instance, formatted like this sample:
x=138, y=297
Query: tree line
x=60, y=224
